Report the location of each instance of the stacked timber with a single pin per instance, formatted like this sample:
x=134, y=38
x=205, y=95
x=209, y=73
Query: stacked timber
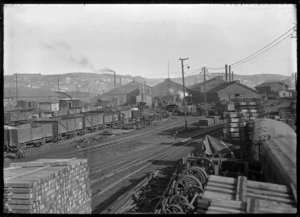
x=251, y=109
x=233, y=126
x=239, y=195
x=48, y=186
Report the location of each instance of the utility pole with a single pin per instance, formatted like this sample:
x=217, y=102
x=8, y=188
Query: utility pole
x=182, y=68
x=115, y=84
x=168, y=82
x=204, y=70
x=16, y=89
x=229, y=72
x=226, y=73
x=58, y=85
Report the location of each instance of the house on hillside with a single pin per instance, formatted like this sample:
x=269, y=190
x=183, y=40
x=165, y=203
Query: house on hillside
x=272, y=88
x=170, y=92
x=230, y=90
x=130, y=93
x=209, y=84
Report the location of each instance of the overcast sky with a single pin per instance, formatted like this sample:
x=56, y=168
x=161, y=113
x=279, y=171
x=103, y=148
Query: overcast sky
x=140, y=40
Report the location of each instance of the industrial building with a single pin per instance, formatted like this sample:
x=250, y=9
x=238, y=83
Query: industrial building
x=209, y=84
x=271, y=88
x=130, y=93
x=229, y=91
x=172, y=92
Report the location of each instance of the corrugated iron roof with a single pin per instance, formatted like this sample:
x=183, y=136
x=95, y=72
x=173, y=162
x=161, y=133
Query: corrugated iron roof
x=127, y=88
x=227, y=84
x=270, y=83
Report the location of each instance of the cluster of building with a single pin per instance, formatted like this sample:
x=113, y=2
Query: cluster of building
x=216, y=91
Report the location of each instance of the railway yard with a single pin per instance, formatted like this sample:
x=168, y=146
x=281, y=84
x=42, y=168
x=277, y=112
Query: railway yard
x=118, y=161
x=133, y=162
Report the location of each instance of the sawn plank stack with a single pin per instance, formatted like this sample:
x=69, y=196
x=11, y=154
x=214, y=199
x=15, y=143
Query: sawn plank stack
x=48, y=186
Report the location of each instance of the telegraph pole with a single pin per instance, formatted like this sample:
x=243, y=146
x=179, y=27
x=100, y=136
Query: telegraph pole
x=204, y=70
x=168, y=82
x=16, y=89
x=58, y=84
x=183, y=90
x=115, y=84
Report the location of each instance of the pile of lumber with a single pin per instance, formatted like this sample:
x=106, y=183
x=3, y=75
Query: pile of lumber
x=47, y=186
x=231, y=195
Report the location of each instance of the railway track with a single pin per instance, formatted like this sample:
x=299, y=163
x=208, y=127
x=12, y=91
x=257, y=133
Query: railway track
x=101, y=181
x=34, y=150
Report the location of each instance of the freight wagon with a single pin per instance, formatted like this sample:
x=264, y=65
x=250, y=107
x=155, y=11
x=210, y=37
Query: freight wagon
x=274, y=150
x=93, y=121
x=19, y=116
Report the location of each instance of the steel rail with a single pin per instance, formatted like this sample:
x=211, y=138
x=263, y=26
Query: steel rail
x=140, y=168
x=141, y=155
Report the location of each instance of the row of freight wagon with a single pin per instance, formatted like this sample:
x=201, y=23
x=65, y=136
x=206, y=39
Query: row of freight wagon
x=45, y=130
x=22, y=116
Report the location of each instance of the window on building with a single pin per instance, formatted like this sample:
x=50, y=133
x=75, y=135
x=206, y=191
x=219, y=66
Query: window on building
x=283, y=93
x=237, y=95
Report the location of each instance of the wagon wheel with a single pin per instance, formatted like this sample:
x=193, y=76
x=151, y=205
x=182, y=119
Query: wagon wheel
x=187, y=208
x=185, y=182
x=207, y=164
x=172, y=208
x=198, y=172
x=178, y=199
x=192, y=191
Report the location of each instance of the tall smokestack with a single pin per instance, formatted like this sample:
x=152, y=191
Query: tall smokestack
x=229, y=72
x=226, y=72
x=232, y=76
x=120, y=82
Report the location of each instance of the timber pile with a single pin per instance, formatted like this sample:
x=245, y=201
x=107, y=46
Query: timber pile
x=230, y=195
x=48, y=186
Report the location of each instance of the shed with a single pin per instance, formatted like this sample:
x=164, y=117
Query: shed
x=209, y=84
x=271, y=87
x=127, y=94
x=229, y=91
x=172, y=92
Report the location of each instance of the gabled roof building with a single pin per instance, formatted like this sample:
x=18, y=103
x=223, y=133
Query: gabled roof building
x=127, y=94
x=229, y=90
x=271, y=87
x=209, y=84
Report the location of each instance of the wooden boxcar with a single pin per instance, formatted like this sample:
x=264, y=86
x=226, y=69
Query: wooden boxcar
x=93, y=121
x=108, y=119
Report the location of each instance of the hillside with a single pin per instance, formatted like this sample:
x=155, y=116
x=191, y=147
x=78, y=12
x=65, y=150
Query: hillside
x=40, y=85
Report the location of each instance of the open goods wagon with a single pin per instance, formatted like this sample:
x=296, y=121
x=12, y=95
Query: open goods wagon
x=93, y=121
x=18, y=117
x=18, y=138
x=64, y=127
x=274, y=150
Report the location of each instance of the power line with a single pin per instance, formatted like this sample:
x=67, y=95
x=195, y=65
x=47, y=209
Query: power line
x=233, y=64
x=262, y=52
x=262, y=48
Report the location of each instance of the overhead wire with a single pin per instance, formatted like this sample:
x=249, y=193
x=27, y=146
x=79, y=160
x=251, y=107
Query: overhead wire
x=261, y=52
x=233, y=64
x=263, y=47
